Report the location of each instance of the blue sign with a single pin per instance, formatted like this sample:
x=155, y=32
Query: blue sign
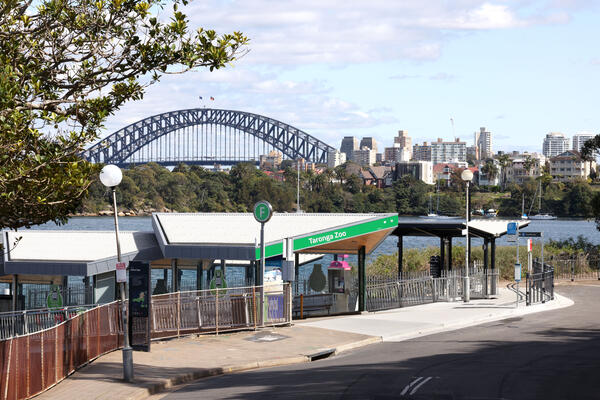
x=275, y=306
x=511, y=228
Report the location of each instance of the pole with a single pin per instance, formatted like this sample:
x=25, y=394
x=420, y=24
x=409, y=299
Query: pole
x=298, y=187
x=467, y=288
x=262, y=273
x=127, y=351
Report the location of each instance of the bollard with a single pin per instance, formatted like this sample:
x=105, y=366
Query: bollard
x=572, y=270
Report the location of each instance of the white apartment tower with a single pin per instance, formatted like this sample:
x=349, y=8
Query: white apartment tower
x=483, y=142
x=555, y=143
x=443, y=152
x=580, y=138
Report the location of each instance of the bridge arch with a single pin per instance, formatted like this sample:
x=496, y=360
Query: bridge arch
x=159, y=137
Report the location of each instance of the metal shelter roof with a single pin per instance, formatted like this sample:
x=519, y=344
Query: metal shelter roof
x=190, y=236
x=236, y=235
x=483, y=228
x=82, y=253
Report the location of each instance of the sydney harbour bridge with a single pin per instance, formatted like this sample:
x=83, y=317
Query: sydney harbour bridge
x=206, y=136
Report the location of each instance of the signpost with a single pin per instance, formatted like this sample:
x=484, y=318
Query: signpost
x=121, y=272
x=517, y=279
x=263, y=211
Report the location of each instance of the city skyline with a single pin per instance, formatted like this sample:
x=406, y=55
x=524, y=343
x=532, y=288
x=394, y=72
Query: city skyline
x=521, y=69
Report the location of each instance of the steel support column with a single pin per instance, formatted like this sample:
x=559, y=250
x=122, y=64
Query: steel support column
x=362, y=280
x=400, y=255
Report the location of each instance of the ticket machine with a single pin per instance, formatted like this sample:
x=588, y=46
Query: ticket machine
x=339, y=276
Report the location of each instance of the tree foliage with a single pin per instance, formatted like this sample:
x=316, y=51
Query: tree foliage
x=65, y=66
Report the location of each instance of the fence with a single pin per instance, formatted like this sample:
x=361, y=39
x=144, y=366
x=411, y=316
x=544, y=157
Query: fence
x=540, y=284
x=582, y=267
x=31, y=363
x=36, y=295
x=448, y=287
x=29, y=321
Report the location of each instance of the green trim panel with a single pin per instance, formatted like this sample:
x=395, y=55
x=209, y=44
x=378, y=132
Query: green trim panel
x=345, y=233
x=271, y=250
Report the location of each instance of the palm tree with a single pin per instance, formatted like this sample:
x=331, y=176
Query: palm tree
x=529, y=163
x=490, y=169
x=505, y=162
x=590, y=148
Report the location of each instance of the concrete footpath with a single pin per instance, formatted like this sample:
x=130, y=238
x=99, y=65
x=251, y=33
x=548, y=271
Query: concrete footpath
x=177, y=361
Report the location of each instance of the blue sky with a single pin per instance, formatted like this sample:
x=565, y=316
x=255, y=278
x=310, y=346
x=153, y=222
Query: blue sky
x=369, y=68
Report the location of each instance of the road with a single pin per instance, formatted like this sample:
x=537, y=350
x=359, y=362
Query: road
x=548, y=355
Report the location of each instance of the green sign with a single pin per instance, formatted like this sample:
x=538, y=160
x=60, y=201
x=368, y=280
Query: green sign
x=345, y=233
x=263, y=211
x=54, y=298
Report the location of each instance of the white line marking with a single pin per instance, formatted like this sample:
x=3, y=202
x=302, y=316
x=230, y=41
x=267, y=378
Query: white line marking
x=407, y=387
x=420, y=384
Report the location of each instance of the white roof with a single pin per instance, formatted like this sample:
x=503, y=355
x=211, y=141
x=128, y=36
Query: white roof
x=82, y=246
x=494, y=227
x=243, y=229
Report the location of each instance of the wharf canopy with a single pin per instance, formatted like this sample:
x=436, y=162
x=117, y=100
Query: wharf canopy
x=188, y=241
x=236, y=236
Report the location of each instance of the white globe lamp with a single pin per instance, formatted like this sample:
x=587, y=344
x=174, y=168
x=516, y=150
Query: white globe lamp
x=111, y=176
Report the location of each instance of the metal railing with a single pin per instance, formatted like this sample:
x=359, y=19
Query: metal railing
x=448, y=287
x=576, y=268
x=36, y=295
x=539, y=284
x=19, y=323
x=36, y=361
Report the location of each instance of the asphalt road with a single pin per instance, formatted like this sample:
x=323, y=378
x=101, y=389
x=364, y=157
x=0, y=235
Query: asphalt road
x=549, y=355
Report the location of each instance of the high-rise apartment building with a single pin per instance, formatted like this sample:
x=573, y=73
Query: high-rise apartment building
x=422, y=152
x=483, y=141
x=443, y=152
x=335, y=158
x=349, y=145
x=403, y=141
x=396, y=154
x=580, y=138
x=364, y=156
x=555, y=143
x=369, y=143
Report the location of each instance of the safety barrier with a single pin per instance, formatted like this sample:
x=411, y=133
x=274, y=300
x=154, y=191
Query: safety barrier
x=32, y=363
x=576, y=268
x=540, y=284
x=19, y=323
x=448, y=287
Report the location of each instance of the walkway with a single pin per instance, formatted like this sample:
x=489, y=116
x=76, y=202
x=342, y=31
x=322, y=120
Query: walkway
x=183, y=360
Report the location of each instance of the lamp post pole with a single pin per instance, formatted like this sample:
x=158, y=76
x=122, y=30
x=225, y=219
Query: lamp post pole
x=466, y=176
x=111, y=176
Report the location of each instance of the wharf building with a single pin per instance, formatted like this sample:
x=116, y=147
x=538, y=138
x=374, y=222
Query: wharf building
x=555, y=143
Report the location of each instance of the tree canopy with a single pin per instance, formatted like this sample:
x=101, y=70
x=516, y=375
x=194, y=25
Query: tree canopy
x=65, y=66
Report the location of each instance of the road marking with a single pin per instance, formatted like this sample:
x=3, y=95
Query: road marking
x=409, y=386
x=424, y=381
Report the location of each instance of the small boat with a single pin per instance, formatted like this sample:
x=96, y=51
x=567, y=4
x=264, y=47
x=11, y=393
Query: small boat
x=491, y=213
x=542, y=216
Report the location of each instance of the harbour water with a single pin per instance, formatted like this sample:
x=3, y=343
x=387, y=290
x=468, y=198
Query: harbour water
x=560, y=229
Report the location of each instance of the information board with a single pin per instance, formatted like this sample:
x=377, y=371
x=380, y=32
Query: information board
x=518, y=272
x=140, y=303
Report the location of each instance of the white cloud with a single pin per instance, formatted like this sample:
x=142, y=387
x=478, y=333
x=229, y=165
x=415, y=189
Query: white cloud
x=287, y=36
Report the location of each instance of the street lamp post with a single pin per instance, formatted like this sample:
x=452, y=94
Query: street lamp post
x=467, y=176
x=111, y=176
